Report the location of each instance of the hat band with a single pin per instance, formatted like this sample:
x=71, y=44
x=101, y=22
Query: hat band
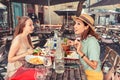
x=86, y=19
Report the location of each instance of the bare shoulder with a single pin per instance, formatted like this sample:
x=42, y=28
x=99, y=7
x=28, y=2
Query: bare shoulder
x=17, y=40
x=16, y=43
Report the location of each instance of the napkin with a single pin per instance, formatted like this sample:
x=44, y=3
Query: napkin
x=24, y=74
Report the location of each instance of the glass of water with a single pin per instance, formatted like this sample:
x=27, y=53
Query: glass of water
x=59, y=66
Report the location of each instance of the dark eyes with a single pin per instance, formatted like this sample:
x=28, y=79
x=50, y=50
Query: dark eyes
x=30, y=25
x=77, y=23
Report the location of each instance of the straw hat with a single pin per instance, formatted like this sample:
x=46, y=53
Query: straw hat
x=87, y=19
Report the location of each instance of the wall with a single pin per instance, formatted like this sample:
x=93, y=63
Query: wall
x=17, y=11
x=53, y=18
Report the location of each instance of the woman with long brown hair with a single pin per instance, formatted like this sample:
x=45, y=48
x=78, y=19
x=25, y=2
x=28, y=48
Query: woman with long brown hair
x=87, y=46
x=21, y=45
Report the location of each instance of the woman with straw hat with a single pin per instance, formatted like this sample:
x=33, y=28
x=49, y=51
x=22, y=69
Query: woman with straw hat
x=87, y=46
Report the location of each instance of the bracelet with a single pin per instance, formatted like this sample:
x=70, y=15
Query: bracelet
x=83, y=56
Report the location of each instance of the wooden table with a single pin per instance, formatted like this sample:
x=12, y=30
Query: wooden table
x=73, y=71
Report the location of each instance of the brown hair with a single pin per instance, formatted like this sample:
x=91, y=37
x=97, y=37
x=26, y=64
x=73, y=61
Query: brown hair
x=87, y=32
x=19, y=28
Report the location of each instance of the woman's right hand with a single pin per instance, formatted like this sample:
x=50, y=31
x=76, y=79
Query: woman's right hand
x=30, y=51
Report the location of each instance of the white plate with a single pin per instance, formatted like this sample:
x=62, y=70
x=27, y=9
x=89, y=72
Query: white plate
x=28, y=57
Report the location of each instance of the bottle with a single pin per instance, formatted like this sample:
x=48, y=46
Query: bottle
x=55, y=40
x=59, y=50
x=59, y=58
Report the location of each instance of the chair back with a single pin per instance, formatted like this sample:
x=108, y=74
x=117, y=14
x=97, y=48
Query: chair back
x=110, y=64
x=107, y=52
x=109, y=58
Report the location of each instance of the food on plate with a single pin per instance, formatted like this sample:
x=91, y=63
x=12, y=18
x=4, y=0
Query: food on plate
x=68, y=53
x=65, y=47
x=35, y=53
x=38, y=52
x=72, y=54
x=36, y=60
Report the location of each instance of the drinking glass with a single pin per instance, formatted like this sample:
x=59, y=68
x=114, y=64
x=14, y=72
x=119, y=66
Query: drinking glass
x=48, y=46
x=59, y=66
